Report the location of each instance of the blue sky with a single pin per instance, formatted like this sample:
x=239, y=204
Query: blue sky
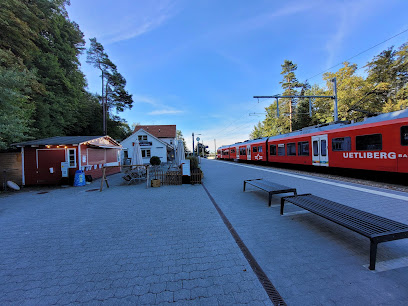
x=197, y=64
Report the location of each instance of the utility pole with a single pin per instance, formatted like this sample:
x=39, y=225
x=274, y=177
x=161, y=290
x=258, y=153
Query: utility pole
x=103, y=107
x=290, y=115
x=193, y=145
x=336, y=115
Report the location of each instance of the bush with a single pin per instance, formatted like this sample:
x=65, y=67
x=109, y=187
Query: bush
x=193, y=162
x=155, y=161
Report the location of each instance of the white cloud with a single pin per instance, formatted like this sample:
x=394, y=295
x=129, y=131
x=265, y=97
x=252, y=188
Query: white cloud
x=348, y=14
x=159, y=108
x=114, y=21
x=166, y=112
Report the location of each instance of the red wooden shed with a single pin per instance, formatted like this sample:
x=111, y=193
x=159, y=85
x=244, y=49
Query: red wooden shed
x=51, y=160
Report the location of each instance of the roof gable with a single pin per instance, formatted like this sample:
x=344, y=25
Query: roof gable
x=159, y=131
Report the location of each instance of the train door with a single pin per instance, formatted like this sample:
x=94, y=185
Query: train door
x=402, y=154
x=320, y=153
x=248, y=148
x=237, y=151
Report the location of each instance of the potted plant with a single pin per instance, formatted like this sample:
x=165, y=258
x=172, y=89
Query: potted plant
x=155, y=162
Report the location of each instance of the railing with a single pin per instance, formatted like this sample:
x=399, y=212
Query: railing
x=196, y=176
x=167, y=177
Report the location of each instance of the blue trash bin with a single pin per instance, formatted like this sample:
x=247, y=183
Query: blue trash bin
x=79, y=179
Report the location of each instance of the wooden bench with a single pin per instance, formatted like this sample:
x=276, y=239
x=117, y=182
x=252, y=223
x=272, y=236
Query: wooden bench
x=377, y=228
x=269, y=187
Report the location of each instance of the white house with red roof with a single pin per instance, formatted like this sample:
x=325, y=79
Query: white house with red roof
x=167, y=133
x=161, y=145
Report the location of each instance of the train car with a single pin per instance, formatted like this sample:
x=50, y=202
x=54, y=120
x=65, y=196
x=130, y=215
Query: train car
x=224, y=152
x=256, y=149
x=378, y=143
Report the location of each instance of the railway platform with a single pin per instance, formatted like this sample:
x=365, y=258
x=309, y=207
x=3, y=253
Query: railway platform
x=308, y=259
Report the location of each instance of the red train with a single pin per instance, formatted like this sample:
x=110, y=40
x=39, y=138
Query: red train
x=379, y=143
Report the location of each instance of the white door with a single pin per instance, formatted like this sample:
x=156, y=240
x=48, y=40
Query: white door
x=320, y=152
x=248, y=152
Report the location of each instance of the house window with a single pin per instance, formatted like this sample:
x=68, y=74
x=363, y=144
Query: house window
x=142, y=137
x=291, y=148
x=341, y=144
x=371, y=142
x=303, y=148
x=272, y=149
x=145, y=153
x=404, y=135
x=72, y=158
x=281, y=149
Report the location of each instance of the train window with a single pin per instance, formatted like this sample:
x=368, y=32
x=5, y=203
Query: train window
x=404, y=135
x=341, y=144
x=281, y=149
x=242, y=151
x=259, y=149
x=323, y=147
x=303, y=148
x=254, y=149
x=291, y=148
x=371, y=142
x=232, y=150
x=315, y=148
x=272, y=149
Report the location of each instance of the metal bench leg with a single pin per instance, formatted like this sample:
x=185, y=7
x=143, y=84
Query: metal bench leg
x=282, y=205
x=270, y=199
x=244, y=185
x=373, y=254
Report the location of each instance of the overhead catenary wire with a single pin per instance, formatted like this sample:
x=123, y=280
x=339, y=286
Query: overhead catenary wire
x=358, y=54
x=225, y=131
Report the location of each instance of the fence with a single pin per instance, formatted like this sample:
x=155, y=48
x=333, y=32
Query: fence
x=168, y=177
x=196, y=176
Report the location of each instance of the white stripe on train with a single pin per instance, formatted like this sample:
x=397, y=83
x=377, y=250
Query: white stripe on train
x=371, y=191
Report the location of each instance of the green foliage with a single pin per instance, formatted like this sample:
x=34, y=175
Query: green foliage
x=42, y=90
x=384, y=90
x=16, y=107
x=257, y=132
x=179, y=136
x=155, y=161
x=193, y=162
x=113, y=83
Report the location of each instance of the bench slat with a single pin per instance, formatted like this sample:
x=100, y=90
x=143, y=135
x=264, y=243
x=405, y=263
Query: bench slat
x=269, y=187
x=378, y=229
x=365, y=223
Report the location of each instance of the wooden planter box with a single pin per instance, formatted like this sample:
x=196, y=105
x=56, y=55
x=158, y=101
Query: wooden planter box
x=155, y=183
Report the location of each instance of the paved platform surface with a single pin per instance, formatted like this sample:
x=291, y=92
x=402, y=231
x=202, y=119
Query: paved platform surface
x=125, y=245
x=312, y=261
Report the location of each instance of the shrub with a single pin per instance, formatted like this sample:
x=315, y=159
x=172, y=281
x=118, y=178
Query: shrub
x=155, y=161
x=193, y=162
